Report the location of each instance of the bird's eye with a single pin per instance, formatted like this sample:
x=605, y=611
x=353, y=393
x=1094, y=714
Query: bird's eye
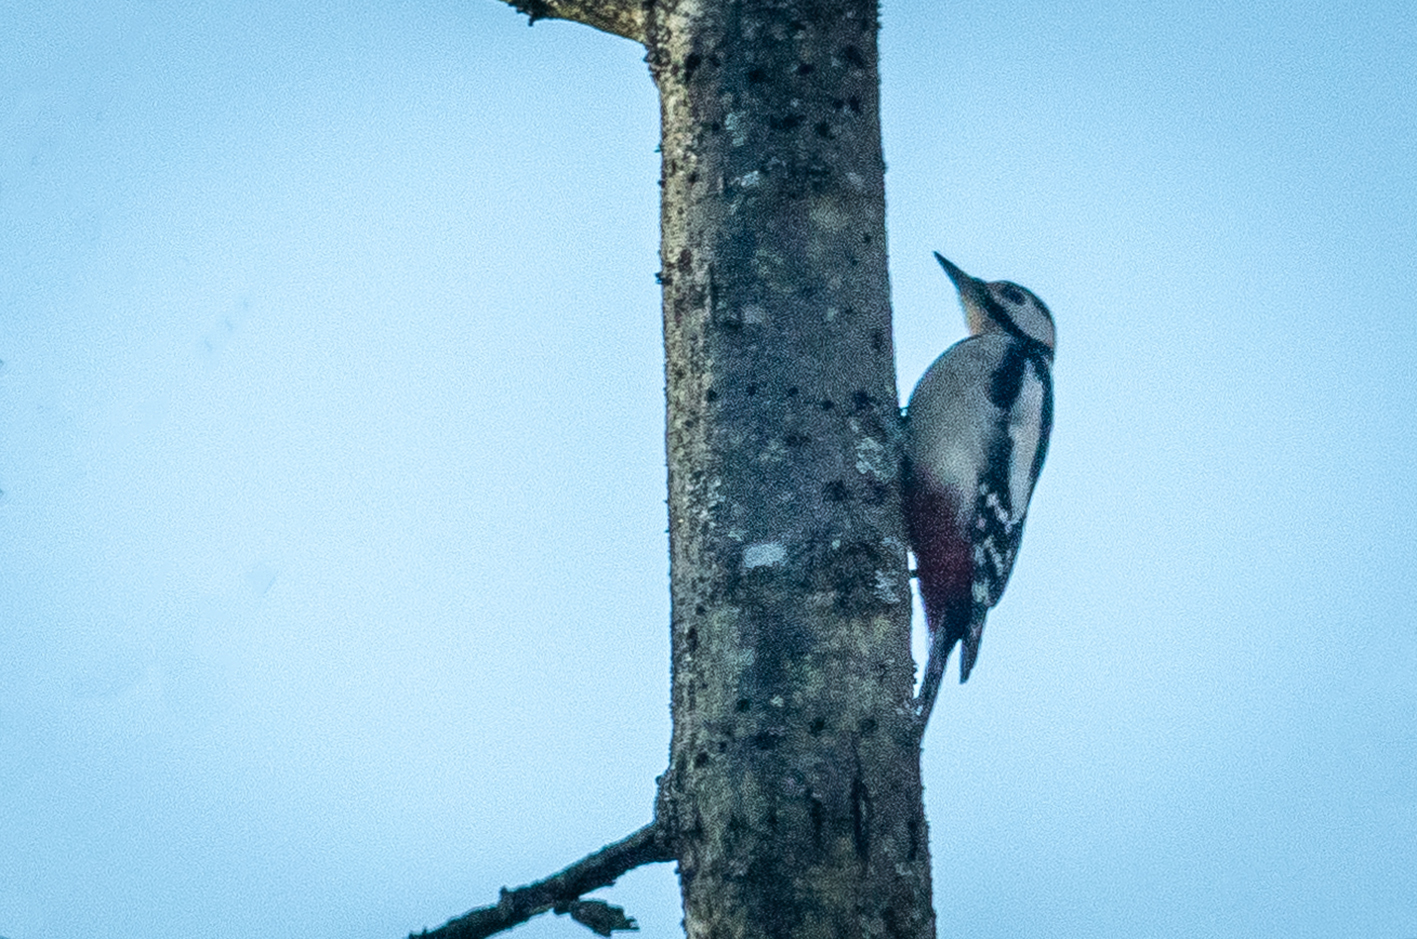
x=1013, y=294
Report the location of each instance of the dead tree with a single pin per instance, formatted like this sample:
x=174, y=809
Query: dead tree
x=792, y=801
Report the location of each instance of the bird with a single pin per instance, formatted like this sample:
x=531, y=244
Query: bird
x=976, y=434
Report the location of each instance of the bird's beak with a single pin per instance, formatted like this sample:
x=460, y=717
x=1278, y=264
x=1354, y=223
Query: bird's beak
x=971, y=294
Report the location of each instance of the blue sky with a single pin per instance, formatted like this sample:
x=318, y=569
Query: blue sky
x=333, y=575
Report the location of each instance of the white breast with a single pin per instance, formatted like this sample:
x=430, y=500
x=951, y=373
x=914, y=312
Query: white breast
x=951, y=416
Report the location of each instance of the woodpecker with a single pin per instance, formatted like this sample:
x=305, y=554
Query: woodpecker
x=977, y=429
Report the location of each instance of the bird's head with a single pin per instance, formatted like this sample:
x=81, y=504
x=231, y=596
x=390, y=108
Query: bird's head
x=1001, y=306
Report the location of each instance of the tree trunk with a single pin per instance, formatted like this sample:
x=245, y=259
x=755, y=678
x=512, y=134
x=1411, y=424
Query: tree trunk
x=792, y=801
x=793, y=796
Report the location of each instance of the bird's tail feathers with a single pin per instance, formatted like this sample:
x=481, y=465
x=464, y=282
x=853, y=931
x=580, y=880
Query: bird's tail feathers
x=969, y=648
x=930, y=685
x=948, y=623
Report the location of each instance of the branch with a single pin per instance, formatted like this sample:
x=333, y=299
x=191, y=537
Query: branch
x=562, y=892
x=620, y=17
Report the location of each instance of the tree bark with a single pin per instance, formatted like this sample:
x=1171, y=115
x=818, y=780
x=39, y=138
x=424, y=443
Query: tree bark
x=792, y=801
x=794, y=782
x=620, y=17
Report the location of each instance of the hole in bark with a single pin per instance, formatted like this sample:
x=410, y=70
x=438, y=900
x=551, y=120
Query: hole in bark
x=792, y=392
x=756, y=76
x=823, y=129
x=818, y=725
x=868, y=726
x=750, y=390
x=765, y=741
x=827, y=404
x=853, y=57
x=861, y=818
x=691, y=639
x=806, y=68
x=743, y=705
x=691, y=63
x=701, y=758
x=878, y=341
x=834, y=491
x=710, y=396
x=818, y=814
x=860, y=399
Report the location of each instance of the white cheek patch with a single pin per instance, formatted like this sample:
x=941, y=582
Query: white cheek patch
x=1035, y=323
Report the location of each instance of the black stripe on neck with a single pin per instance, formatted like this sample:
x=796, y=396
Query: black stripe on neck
x=1001, y=316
